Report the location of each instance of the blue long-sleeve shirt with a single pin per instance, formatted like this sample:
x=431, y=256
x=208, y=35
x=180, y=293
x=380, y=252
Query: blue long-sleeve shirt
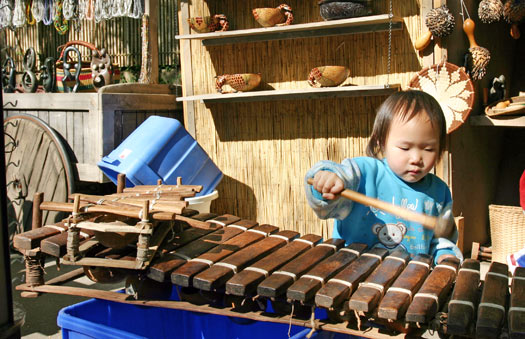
x=359, y=223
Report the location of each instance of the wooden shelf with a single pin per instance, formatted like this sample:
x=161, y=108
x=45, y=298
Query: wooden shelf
x=367, y=24
x=295, y=94
x=508, y=121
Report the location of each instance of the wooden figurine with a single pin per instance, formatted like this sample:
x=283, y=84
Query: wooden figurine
x=269, y=17
x=205, y=24
x=328, y=76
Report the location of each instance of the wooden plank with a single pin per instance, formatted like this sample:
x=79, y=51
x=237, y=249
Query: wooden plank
x=305, y=288
x=295, y=94
x=162, y=268
x=517, y=305
x=245, y=282
x=428, y=300
x=492, y=306
x=217, y=275
x=51, y=101
x=370, y=292
x=277, y=283
x=372, y=23
x=183, y=276
x=397, y=298
x=376, y=333
x=340, y=288
x=462, y=306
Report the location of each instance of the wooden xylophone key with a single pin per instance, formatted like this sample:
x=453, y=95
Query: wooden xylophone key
x=277, y=283
x=183, y=275
x=340, y=288
x=491, y=309
x=55, y=245
x=462, y=306
x=398, y=296
x=31, y=239
x=517, y=305
x=428, y=300
x=305, y=287
x=245, y=282
x=369, y=292
x=217, y=275
x=161, y=269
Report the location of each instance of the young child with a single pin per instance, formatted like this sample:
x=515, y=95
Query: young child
x=407, y=140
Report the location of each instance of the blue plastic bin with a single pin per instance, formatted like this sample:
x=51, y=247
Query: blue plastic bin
x=161, y=148
x=96, y=318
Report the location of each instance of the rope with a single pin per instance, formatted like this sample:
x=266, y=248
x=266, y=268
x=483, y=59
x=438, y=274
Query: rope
x=34, y=270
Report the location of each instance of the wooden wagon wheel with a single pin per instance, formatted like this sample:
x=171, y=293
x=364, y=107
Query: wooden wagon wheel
x=36, y=161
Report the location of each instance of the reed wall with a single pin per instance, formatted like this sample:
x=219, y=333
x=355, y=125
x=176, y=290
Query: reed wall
x=265, y=148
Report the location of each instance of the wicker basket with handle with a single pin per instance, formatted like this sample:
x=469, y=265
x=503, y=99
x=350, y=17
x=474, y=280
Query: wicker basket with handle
x=507, y=231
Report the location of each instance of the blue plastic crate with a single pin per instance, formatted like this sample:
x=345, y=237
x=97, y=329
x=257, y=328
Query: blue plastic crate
x=96, y=318
x=161, y=148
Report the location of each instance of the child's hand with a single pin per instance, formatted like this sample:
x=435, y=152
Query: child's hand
x=329, y=184
x=445, y=256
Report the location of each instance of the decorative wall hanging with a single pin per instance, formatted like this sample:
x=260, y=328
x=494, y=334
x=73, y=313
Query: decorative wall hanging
x=205, y=24
x=451, y=87
x=238, y=82
x=514, y=13
x=328, y=76
x=440, y=23
x=490, y=11
x=269, y=17
x=477, y=57
x=48, y=75
x=29, y=81
x=37, y=9
x=337, y=9
x=8, y=75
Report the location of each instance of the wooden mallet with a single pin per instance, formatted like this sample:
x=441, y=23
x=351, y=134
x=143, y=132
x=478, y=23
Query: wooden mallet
x=442, y=225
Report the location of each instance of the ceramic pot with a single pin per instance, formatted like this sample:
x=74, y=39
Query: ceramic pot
x=328, y=76
x=238, y=82
x=333, y=10
x=205, y=24
x=269, y=17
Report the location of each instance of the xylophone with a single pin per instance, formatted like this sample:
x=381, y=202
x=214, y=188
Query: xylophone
x=231, y=262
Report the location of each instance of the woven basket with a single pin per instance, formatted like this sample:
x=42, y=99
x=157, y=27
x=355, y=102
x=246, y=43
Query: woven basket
x=507, y=231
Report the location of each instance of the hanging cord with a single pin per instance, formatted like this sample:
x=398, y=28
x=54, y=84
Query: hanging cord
x=390, y=17
x=37, y=9
x=463, y=6
x=29, y=15
x=47, y=19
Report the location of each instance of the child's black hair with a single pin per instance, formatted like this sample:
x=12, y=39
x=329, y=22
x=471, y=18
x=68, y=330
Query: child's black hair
x=406, y=105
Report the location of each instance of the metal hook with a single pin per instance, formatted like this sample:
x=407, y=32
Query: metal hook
x=11, y=123
x=12, y=163
x=11, y=103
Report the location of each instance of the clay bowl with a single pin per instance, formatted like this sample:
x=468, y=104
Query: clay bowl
x=238, y=82
x=328, y=76
x=269, y=17
x=333, y=10
x=205, y=24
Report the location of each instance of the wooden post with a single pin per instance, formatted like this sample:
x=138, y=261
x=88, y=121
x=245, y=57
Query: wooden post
x=121, y=182
x=150, y=52
x=186, y=67
x=37, y=212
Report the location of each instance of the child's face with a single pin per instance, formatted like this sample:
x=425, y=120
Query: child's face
x=412, y=147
